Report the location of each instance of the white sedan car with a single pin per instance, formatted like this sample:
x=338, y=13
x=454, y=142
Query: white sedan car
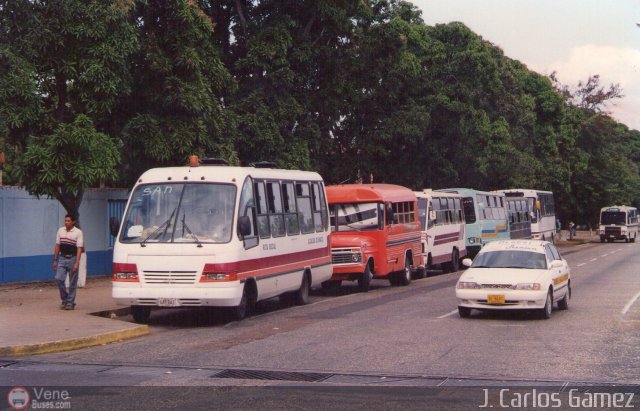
x=515, y=275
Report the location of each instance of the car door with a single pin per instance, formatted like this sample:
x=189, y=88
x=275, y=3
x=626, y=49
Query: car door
x=560, y=274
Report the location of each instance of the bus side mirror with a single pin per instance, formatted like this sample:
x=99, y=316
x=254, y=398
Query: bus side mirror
x=244, y=226
x=114, y=226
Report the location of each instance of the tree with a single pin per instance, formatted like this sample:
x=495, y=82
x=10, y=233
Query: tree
x=77, y=63
x=177, y=106
x=63, y=164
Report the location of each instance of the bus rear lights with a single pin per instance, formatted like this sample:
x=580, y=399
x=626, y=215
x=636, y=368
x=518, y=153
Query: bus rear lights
x=124, y=272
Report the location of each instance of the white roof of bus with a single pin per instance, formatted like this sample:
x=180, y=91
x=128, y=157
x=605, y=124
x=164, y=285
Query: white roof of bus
x=525, y=191
x=430, y=193
x=619, y=208
x=468, y=191
x=224, y=174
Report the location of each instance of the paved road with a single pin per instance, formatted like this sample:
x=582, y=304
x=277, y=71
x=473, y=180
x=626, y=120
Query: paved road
x=391, y=336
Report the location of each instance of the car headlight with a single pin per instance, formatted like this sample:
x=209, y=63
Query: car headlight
x=528, y=286
x=467, y=285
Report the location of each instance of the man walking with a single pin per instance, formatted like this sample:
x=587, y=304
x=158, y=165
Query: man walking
x=66, y=258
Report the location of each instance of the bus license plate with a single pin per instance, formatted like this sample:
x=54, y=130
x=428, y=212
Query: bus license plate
x=495, y=299
x=168, y=302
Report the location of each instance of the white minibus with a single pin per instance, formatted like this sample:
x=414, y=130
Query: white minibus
x=443, y=228
x=212, y=235
x=618, y=223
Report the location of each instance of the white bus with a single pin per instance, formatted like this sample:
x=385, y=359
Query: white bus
x=443, y=229
x=221, y=236
x=543, y=212
x=618, y=223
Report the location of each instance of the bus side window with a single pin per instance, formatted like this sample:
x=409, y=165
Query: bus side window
x=290, y=209
x=276, y=216
x=318, y=206
x=261, y=209
x=305, y=213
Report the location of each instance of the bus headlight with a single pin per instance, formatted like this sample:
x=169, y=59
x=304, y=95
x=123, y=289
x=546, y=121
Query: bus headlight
x=212, y=273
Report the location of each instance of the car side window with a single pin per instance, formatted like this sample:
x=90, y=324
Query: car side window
x=549, y=254
x=554, y=252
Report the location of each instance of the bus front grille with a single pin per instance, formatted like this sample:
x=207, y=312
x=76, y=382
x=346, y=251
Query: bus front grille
x=169, y=277
x=612, y=231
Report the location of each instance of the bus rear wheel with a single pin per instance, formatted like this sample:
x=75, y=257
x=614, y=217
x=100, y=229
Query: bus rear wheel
x=404, y=276
x=302, y=295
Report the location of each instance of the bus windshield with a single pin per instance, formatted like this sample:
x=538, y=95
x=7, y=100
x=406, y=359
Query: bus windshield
x=613, y=217
x=177, y=212
x=354, y=216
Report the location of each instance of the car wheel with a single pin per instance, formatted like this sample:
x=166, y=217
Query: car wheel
x=548, y=307
x=464, y=312
x=564, y=303
x=140, y=313
x=364, y=281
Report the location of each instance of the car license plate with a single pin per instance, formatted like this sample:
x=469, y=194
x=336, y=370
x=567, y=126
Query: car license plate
x=168, y=302
x=495, y=299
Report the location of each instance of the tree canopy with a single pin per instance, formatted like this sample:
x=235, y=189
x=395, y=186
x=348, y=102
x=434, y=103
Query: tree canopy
x=353, y=89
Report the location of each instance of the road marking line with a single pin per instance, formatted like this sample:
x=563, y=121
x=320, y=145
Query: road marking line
x=629, y=304
x=593, y=259
x=604, y=255
x=449, y=314
x=581, y=264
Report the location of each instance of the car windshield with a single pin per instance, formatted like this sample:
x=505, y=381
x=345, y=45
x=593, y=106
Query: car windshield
x=186, y=213
x=510, y=259
x=354, y=216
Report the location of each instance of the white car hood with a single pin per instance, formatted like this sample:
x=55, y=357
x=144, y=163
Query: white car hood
x=502, y=275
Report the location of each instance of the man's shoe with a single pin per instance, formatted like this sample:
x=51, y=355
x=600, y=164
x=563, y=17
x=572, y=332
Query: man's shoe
x=63, y=305
x=69, y=307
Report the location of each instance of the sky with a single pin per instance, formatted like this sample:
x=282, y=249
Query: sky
x=574, y=38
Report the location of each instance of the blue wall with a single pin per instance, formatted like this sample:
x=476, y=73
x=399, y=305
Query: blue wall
x=28, y=228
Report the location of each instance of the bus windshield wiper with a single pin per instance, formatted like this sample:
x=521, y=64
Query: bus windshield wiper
x=156, y=233
x=186, y=227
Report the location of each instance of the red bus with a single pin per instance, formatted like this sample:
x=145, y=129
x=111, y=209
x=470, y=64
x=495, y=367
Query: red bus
x=375, y=234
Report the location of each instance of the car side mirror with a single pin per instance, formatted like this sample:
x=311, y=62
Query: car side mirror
x=556, y=264
x=467, y=262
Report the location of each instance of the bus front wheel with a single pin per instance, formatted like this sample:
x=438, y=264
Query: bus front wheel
x=240, y=311
x=364, y=281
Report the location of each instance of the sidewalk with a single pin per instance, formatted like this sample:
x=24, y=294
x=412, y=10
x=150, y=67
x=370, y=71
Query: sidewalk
x=31, y=321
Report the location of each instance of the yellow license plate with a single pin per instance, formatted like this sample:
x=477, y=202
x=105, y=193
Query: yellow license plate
x=495, y=299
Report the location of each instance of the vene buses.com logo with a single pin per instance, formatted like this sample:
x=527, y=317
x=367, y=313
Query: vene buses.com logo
x=18, y=398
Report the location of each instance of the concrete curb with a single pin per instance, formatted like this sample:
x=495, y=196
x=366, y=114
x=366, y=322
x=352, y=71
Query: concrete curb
x=74, y=343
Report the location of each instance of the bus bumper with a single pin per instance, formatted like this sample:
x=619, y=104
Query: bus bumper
x=228, y=295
